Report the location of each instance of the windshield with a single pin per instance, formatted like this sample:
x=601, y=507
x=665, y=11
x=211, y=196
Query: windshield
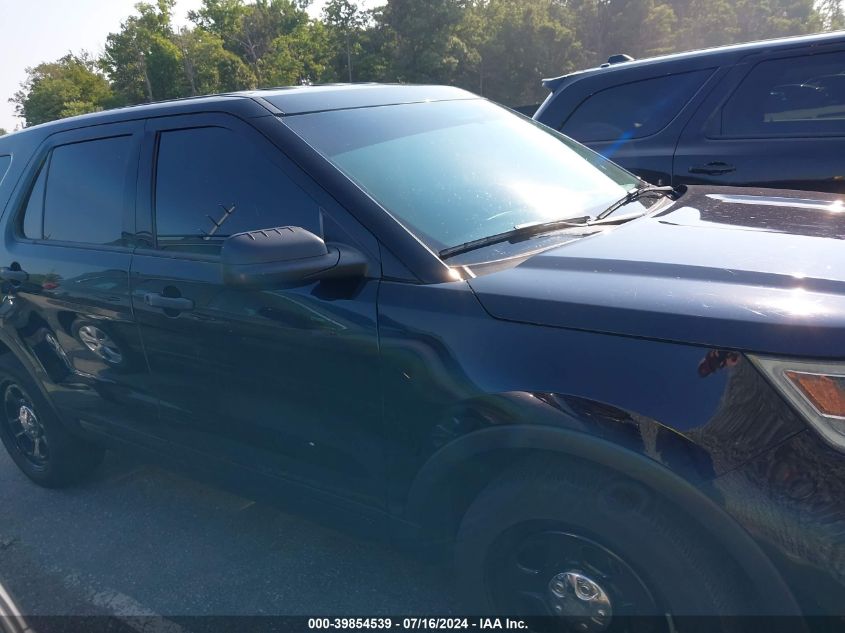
x=456, y=171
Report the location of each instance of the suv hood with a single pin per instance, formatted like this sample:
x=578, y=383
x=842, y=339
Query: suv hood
x=738, y=268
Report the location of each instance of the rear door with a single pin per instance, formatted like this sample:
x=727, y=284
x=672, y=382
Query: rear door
x=66, y=269
x=773, y=122
x=282, y=381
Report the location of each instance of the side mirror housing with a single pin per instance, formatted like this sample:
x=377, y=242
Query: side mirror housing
x=285, y=256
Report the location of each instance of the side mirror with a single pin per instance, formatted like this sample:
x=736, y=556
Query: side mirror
x=286, y=255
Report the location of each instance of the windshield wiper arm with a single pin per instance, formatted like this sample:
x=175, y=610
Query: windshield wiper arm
x=633, y=196
x=522, y=231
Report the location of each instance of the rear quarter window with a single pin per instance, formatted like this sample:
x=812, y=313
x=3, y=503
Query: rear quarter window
x=633, y=110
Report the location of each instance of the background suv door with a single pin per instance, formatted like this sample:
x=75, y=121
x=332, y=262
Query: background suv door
x=67, y=239
x=282, y=381
x=773, y=122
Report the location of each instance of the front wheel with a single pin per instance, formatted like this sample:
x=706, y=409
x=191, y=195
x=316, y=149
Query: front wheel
x=593, y=549
x=34, y=437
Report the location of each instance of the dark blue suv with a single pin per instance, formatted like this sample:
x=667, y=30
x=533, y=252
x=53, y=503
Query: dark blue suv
x=440, y=319
x=765, y=114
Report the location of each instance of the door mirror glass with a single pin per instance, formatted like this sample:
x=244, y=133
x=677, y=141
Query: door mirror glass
x=284, y=256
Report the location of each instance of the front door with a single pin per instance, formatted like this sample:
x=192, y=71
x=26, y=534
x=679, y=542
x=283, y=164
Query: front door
x=282, y=381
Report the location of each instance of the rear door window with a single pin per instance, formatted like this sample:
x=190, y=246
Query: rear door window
x=633, y=110
x=795, y=96
x=80, y=192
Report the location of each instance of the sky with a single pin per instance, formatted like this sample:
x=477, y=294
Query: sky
x=35, y=31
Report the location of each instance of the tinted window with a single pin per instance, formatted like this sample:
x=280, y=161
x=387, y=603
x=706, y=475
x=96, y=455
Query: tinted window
x=33, y=214
x=210, y=176
x=5, y=161
x=788, y=97
x=85, y=191
x=633, y=110
x=455, y=171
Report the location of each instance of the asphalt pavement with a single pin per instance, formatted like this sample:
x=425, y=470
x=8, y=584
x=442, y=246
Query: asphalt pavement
x=137, y=540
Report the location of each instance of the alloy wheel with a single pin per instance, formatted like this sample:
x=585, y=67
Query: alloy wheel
x=23, y=425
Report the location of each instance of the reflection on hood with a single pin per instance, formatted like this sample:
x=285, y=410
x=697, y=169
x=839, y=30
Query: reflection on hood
x=813, y=214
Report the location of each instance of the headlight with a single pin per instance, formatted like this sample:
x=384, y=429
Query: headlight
x=817, y=390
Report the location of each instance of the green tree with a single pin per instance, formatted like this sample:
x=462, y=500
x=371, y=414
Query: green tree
x=762, y=19
x=373, y=61
x=499, y=48
x=507, y=46
x=3, y=131
x=422, y=42
x=142, y=59
x=221, y=17
x=301, y=56
x=253, y=31
x=69, y=86
x=208, y=66
x=831, y=15
x=705, y=23
x=640, y=28
x=345, y=21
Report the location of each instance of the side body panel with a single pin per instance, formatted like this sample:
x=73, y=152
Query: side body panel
x=467, y=396
x=67, y=286
x=451, y=370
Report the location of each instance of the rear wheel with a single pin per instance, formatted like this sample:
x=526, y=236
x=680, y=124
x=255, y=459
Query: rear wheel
x=596, y=550
x=35, y=438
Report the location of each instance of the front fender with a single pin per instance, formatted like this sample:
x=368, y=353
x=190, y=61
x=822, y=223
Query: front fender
x=438, y=474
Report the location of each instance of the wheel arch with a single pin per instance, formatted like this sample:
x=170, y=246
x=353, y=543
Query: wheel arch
x=29, y=360
x=472, y=461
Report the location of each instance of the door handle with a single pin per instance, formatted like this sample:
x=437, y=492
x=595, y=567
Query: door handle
x=178, y=304
x=716, y=168
x=8, y=274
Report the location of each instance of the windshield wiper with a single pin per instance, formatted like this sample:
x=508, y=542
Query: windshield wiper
x=633, y=196
x=522, y=231
x=538, y=228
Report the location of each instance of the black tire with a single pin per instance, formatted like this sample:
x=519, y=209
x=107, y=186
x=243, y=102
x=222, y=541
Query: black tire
x=557, y=520
x=42, y=447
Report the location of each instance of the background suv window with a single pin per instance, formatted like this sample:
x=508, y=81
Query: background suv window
x=789, y=97
x=210, y=176
x=633, y=110
x=79, y=193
